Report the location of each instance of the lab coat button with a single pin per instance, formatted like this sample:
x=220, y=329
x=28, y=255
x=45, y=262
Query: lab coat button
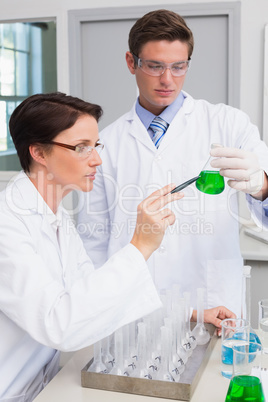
x=162, y=249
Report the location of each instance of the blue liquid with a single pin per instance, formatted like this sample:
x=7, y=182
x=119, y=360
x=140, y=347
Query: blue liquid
x=253, y=337
x=227, y=351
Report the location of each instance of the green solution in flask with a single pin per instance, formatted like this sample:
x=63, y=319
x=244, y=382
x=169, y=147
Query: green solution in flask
x=210, y=180
x=245, y=388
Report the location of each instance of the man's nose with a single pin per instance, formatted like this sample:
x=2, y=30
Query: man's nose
x=167, y=75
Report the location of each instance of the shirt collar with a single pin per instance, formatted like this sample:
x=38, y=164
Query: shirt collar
x=168, y=113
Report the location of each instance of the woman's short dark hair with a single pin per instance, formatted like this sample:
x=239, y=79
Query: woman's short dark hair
x=40, y=118
x=159, y=25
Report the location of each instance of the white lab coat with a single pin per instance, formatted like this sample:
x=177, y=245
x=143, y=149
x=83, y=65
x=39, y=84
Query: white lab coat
x=202, y=248
x=50, y=295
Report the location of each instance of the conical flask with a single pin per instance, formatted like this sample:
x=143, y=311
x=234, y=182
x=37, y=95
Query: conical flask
x=200, y=332
x=246, y=305
x=210, y=181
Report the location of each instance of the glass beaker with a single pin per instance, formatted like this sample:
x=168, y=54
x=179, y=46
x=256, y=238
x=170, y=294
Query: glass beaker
x=246, y=384
x=263, y=323
x=210, y=180
x=235, y=331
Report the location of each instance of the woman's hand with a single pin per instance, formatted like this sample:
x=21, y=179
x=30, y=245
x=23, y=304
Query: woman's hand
x=215, y=316
x=152, y=220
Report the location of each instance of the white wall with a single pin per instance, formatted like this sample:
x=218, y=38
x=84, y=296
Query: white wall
x=254, y=16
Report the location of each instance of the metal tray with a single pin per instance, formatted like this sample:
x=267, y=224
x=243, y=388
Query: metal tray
x=182, y=390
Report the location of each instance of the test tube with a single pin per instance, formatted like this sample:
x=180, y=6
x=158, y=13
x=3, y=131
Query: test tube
x=119, y=368
x=129, y=363
x=189, y=334
x=141, y=370
x=175, y=366
x=163, y=374
x=184, y=340
x=177, y=334
x=151, y=363
x=107, y=357
x=132, y=341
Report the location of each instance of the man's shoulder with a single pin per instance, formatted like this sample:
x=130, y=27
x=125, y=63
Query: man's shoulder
x=119, y=125
x=206, y=104
x=210, y=109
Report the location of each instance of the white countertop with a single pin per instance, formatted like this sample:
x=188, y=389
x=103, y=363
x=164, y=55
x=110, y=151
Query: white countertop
x=252, y=249
x=65, y=387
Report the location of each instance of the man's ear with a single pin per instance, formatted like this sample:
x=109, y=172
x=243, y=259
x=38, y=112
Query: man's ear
x=38, y=154
x=130, y=63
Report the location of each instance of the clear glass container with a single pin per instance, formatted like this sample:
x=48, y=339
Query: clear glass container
x=246, y=303
x=210, y=181
x=200, y=332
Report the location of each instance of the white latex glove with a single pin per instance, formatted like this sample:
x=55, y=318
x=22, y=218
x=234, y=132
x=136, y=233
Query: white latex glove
x=242, y=167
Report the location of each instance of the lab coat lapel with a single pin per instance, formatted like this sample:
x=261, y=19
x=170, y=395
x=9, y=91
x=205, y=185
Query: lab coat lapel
x=177, y=128
x=56, y=233
x=138, y=131
x=49, y=230
x=63, y=240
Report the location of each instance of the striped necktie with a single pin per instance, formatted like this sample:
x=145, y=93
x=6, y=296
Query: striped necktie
x=159, y=128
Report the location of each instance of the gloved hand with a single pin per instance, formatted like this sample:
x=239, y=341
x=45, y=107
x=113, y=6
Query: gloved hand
x=242, y=167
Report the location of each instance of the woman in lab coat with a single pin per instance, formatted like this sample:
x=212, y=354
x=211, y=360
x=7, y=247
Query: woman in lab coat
x=50, y=296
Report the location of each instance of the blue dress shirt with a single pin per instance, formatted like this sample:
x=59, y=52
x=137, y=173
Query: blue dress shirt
x=168, y=113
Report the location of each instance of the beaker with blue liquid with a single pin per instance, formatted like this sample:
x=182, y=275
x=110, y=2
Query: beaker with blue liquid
x=235, y=331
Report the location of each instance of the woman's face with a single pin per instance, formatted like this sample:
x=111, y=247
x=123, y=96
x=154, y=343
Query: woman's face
x=65, y=167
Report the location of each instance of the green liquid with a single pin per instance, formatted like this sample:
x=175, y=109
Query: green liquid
x=210, y=182
x=245, y=388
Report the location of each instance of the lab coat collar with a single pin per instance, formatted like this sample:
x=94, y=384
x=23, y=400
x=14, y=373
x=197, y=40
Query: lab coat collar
x=188, y=104
x=176, y=127
x=23, y=198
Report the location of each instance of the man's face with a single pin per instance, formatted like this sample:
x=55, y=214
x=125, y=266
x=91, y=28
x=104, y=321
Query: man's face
x=156, y=93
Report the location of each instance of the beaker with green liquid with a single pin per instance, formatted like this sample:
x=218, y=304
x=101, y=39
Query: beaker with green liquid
x=210, y=180
x=246, y=382
x=245, y=388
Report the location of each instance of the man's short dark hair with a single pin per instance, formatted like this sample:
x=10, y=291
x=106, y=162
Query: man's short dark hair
x=159, y=25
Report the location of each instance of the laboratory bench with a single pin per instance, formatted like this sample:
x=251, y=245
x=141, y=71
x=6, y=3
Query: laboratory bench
x=212, y=387
x=66, y=386
x=252, y=249
x=255, y=254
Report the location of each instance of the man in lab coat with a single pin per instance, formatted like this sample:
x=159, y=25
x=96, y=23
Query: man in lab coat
x=202, y=248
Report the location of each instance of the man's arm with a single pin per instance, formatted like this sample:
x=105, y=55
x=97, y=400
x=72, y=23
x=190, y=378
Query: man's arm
x=263, y=193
